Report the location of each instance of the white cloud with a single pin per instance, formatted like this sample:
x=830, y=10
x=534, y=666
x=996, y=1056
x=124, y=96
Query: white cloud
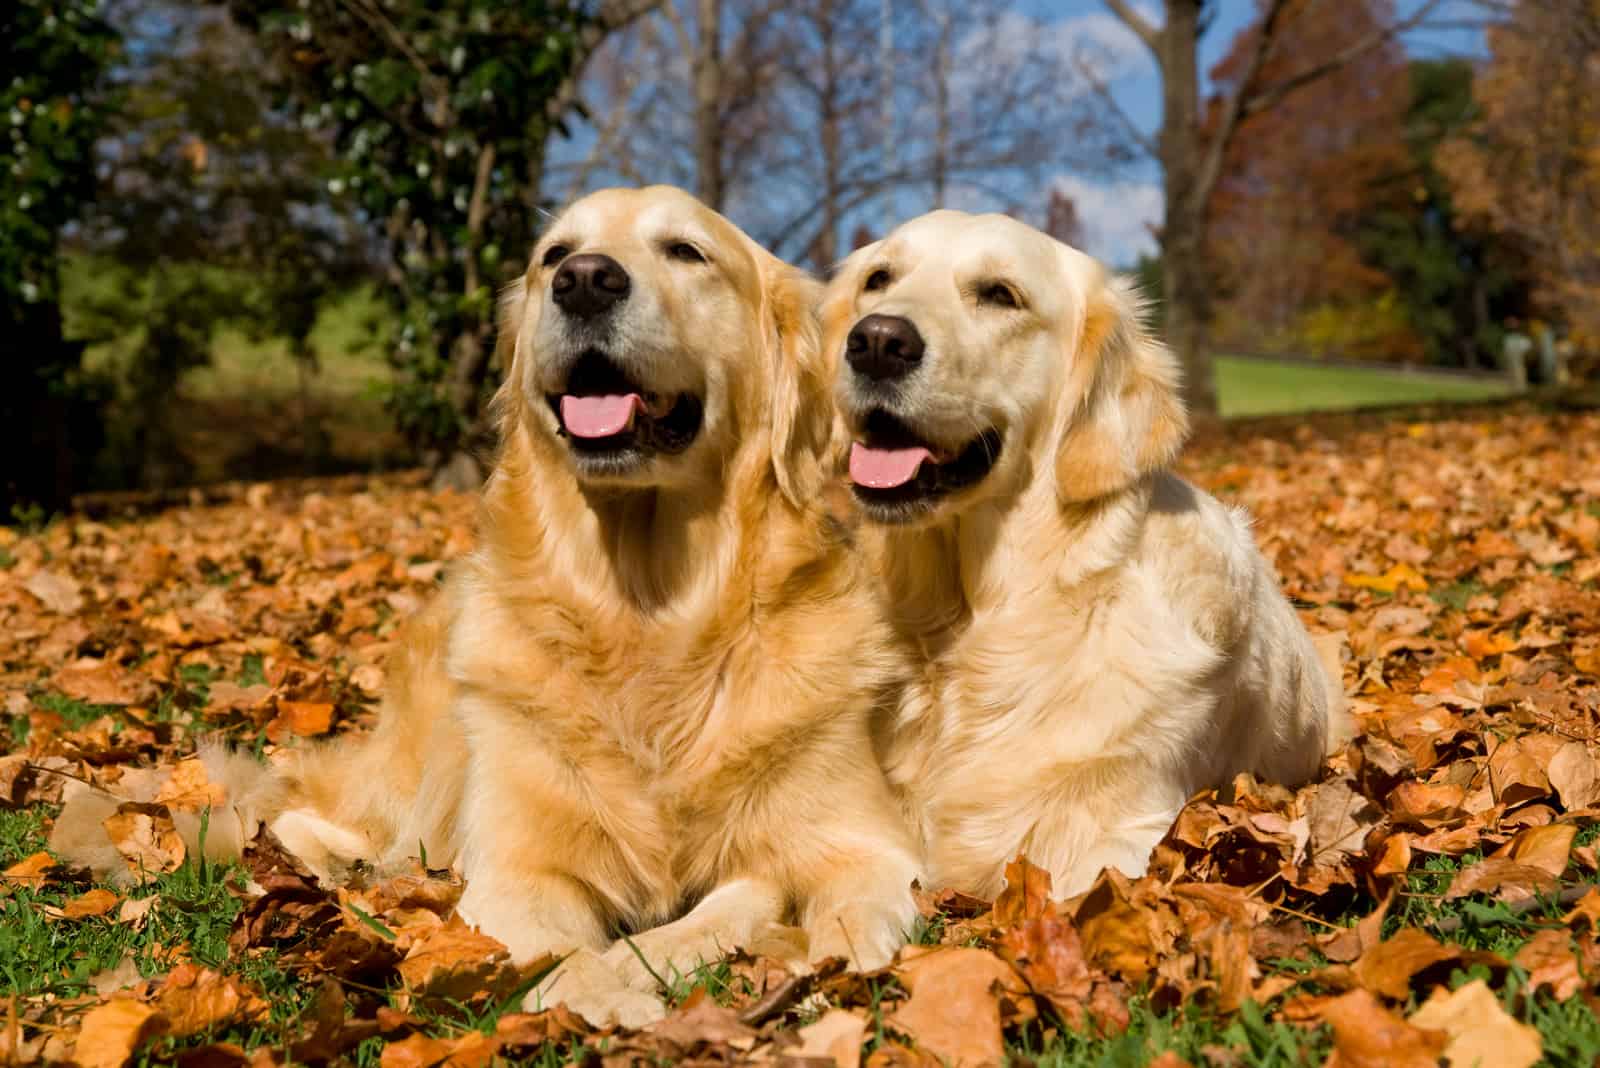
x=1117, y=216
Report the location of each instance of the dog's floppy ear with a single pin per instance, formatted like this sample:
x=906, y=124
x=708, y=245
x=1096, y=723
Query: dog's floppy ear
x=802, y=414
x=1129, y=420
x=508, y=323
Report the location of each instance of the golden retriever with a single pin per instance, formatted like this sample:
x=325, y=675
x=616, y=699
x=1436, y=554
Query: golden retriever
x=649, y=688
x=1099, y=640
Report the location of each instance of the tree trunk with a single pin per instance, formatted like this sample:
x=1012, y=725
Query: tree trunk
x=709, y=179
x=1188, y=298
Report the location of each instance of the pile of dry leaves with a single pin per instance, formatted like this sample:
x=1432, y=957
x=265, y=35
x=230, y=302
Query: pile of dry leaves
x=1460, y=558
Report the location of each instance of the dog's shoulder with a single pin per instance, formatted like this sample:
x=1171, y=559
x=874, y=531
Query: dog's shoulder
x=1204, y=556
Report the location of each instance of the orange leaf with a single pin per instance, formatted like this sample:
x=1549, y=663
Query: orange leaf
x=111, y=1033
x=96, y=902
x=954, y=1010
x=1391, y=580
x=1026, y=896
x=1366, y=1035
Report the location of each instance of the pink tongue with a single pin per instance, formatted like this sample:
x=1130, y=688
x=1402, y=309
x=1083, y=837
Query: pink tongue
x=885, y=468
x=599, y=417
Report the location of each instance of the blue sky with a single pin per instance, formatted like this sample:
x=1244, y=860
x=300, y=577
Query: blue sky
x=1118, y=214
x=1118, y=211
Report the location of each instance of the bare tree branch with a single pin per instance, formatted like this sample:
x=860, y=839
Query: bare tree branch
x=1265, y=98
x=1233, y=110
x=1103, y=91
x=1138, y=24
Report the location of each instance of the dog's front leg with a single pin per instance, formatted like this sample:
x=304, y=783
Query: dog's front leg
x=860, y=907
x=731, y=917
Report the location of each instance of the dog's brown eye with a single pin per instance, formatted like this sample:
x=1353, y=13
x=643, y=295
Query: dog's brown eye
x=682, y=250
x=1001, y=296
x=554, y=255
x=878, y=279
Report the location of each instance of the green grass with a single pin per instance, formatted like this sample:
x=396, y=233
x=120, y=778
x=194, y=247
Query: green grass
x=1268, y=387
x=195, y=909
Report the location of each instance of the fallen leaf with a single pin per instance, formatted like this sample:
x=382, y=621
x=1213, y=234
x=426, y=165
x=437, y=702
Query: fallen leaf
x=1480, y=1032
x=190, y=789
x=112, y=1032
x=1504, y=878
x=837, y=1036
x=98, y=682
x=57, y=592
x=1366, y=1035
x=1546, y=848
x=1391, y=580
x=1548, y=959
x=145, y=836
x=456, y=962
x=1026, y=894
x=953, y=1011
x=471, y=1050
x=1340, y=820
x=701, y=1021
x=135, y=912
x=96, y=902
x=195, y=999
x=1387, y=967
x=1574, y=773
x=303, y=719
x=123, y=975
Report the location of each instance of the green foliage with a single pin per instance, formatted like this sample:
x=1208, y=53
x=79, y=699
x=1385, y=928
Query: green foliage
x=438, y=115
x=1455, y=284
x=55, y=56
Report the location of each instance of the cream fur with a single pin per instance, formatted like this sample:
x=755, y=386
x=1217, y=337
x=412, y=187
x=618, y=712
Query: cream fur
x=645, y=698
x=1098, y=639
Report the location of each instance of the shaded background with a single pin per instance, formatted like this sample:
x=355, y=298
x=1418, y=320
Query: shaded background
x=247, y=239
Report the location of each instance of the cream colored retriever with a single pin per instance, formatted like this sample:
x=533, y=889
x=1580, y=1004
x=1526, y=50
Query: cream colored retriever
x=648, y=690
x=1099, y=639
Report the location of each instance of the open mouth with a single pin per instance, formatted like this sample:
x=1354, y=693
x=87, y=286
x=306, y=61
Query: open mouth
x=897, y=475
x=612, y=421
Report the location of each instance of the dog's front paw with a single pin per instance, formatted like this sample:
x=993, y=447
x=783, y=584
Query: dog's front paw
x=867, y=938
x=588, y=985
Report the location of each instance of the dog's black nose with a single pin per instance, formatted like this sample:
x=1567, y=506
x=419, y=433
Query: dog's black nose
x=884, y=346
x=590, y=285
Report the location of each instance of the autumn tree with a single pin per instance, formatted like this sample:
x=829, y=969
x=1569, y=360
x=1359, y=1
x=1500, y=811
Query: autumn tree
x=1193, y=140
x=440, y=115
x=1296, y=181
x=1529, y=167
x=807, y=117
x=1456, y=280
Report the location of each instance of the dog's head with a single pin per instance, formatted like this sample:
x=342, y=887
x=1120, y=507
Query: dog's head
x=650, y=339
x=973, y=355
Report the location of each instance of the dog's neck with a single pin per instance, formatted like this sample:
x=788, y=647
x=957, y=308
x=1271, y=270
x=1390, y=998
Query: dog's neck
x=654, y=554
x=1001, y=553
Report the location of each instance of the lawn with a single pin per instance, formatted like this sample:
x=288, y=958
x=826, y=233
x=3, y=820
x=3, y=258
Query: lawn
x=1433, y=890
x=1269, y=387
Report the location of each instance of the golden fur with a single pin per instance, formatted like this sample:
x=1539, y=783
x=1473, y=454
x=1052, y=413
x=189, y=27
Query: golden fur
x=1098, y=639
x=648, y=691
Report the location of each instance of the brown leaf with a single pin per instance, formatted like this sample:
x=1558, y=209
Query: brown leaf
x=1387, y=967
x=1546, y=848
x=135, y=912
x=195, y=999
x=954, y=1010
x=57, y=592
x=1366, y=1035
x=96, y=902
x=111, y=1032
x=1120, y=935
x=471, y=1050
x=304, y=719
x=1506, y=879
x=189, y=789
x=1340, y=820
x=700, y=1020
x=1426, y=805
x=1026, y=896
x=1479, y=1030
x=101, y=682
x=1548, y=959
x=1575, y=774
x=457, y=962
x=146, y=838
x=32, y=871
x=837, y=1036
x=1517, y=768
x=1048, y=954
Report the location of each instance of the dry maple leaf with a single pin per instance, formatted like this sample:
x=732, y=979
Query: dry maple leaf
x=700, y=1022
x=189, y=789
x=1026, y=895
x=836, y=1036
x=1480, y=1031
x=145, y=836
x=57, y=592
x=954, y=1008
x=471, y=1050
x=195, y=999
x=1367, y=1035
x=96, y=902
x=110, y=1033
